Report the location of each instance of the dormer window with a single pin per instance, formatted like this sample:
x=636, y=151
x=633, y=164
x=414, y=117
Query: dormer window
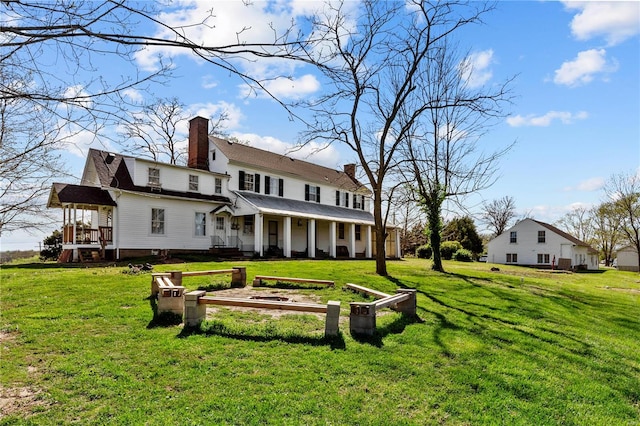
x=154, y=176
x=193, y=183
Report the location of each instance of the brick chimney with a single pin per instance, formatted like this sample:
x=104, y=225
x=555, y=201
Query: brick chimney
x=350, y=170
x=198, y=143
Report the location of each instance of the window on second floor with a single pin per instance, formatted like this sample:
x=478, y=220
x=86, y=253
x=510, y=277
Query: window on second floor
x=337, y=198
x=274, y=186
x=218, y=186
x=154, y=176
x=193, y=183
x=249, y=181
x=346, y=199
x=542, y=238
x=358, y=202
x=513, y=237
x=311, y=193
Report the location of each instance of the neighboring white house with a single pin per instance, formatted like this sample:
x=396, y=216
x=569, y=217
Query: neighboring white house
x=627, y=259
x=534, y=243
x=230, y=198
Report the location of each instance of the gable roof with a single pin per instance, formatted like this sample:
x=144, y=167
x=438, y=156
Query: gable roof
x=563, y=234
x=115, y=174
x=247, y=155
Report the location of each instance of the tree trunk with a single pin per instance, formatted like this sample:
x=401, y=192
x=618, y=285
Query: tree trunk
x=381, y=231
x=435, y=228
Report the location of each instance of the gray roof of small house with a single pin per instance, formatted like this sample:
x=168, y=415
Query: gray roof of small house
x=278, y=163
x=297, y=208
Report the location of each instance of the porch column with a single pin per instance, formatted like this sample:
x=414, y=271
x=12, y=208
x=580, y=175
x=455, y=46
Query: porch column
x=398, y=254
x=75, y=220
x=257, y=234
x=286, y=236
x=311, y=238
x=332, y=239
x=352, y=240
x=367, y=249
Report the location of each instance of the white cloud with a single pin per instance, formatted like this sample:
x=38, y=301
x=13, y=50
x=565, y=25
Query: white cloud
x=209, y=82
x=588, y=185
x=616, y=21
x=584, y=68
x=325, y=155
x=475, y=69
x=134, y=95
x=212, y=110
x=286, y=88
x=546, y=119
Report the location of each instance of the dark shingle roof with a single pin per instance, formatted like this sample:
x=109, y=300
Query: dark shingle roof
x=79, y=194
x=305, y=208
x=116, y=175
x=244, y=154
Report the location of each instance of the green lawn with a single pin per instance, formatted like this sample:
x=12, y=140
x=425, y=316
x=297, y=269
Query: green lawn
x=512, y=347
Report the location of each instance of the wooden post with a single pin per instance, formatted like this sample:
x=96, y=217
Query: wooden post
x=176, y=277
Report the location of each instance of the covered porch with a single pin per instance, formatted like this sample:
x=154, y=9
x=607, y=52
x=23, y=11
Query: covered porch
x=87, y=221
x=282, y=228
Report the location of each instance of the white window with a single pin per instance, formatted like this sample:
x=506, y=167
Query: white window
x=513, y=237
x=193, y=183
x=512, y=257
x=154, y=176
x=219, y=223
x=358, y=232
x=248, y=182
x=218, y=188
x=157, y=221
x=201, y=224
x=357, y=201
x=312, y=193
x=543, y=258
x=542, y=238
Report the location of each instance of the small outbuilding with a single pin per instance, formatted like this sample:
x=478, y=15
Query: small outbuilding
x=627, y=259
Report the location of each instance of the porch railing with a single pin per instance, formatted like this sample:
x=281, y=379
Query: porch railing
x=103, y=235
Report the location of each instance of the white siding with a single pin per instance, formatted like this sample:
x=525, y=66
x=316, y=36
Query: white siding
x=134, y=227
x=527, y=247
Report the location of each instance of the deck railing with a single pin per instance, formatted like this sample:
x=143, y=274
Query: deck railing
x=103, y=235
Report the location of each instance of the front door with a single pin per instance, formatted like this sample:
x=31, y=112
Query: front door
x=221, y=231
x=273, y=234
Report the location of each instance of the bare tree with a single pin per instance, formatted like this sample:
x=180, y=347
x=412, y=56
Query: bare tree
x=623, y=190
x=578, y=222
x=443, y=159
x=77, y=36
x=153, y=130
x=498, y=214
x=28, y=162
x=373, y=66
x=607, y=229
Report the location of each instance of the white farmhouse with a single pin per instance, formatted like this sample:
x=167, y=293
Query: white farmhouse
x=230, y=200
x=534, y=243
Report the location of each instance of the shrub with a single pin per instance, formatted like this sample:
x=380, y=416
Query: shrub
x=52, y=246
x=424, y=252
x=463, y=255
x=448, y=248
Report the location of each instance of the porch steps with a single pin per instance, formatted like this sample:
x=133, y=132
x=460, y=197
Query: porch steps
x=226, y=252
x=89, y=256
x=65, y=256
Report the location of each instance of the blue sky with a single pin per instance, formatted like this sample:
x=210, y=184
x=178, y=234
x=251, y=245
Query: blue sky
x=575, y=118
